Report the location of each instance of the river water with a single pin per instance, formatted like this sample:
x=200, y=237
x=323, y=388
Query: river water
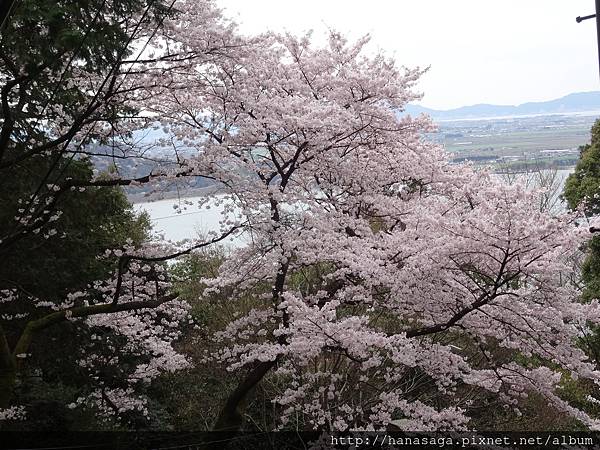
x=183, y=219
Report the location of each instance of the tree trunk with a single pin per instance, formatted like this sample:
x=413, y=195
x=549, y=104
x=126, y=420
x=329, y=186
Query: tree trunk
x=8, y=372
x=5, y=10
x=230, y=417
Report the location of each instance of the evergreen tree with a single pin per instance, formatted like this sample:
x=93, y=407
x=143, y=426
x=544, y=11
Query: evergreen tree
x=582, y=189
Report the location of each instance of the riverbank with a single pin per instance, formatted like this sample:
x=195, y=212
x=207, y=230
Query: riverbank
x=154, y=196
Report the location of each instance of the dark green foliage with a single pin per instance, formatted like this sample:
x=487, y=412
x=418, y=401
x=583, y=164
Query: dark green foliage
x=45, y=44
x=59, y=68
x=590, y=269
x=49, y=268
x=582, y=189
x=584, y=183
x=91, y=222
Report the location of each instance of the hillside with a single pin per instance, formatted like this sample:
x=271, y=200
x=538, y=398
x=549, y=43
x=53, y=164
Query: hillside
x=572, y=103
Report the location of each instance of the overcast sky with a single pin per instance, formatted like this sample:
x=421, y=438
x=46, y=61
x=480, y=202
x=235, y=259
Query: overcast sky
x=480, y=51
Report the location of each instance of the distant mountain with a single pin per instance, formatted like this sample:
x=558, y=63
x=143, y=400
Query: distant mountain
x=577, y=102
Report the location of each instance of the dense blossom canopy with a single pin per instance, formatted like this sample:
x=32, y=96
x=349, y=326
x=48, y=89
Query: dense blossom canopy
x=429, y=273
x=428, y=270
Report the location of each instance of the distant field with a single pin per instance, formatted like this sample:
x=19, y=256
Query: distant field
x=520, y=141
x=543, y=137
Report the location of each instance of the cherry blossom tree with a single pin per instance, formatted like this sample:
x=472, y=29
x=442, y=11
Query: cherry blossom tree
x=436, y=282
x=431, y=273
